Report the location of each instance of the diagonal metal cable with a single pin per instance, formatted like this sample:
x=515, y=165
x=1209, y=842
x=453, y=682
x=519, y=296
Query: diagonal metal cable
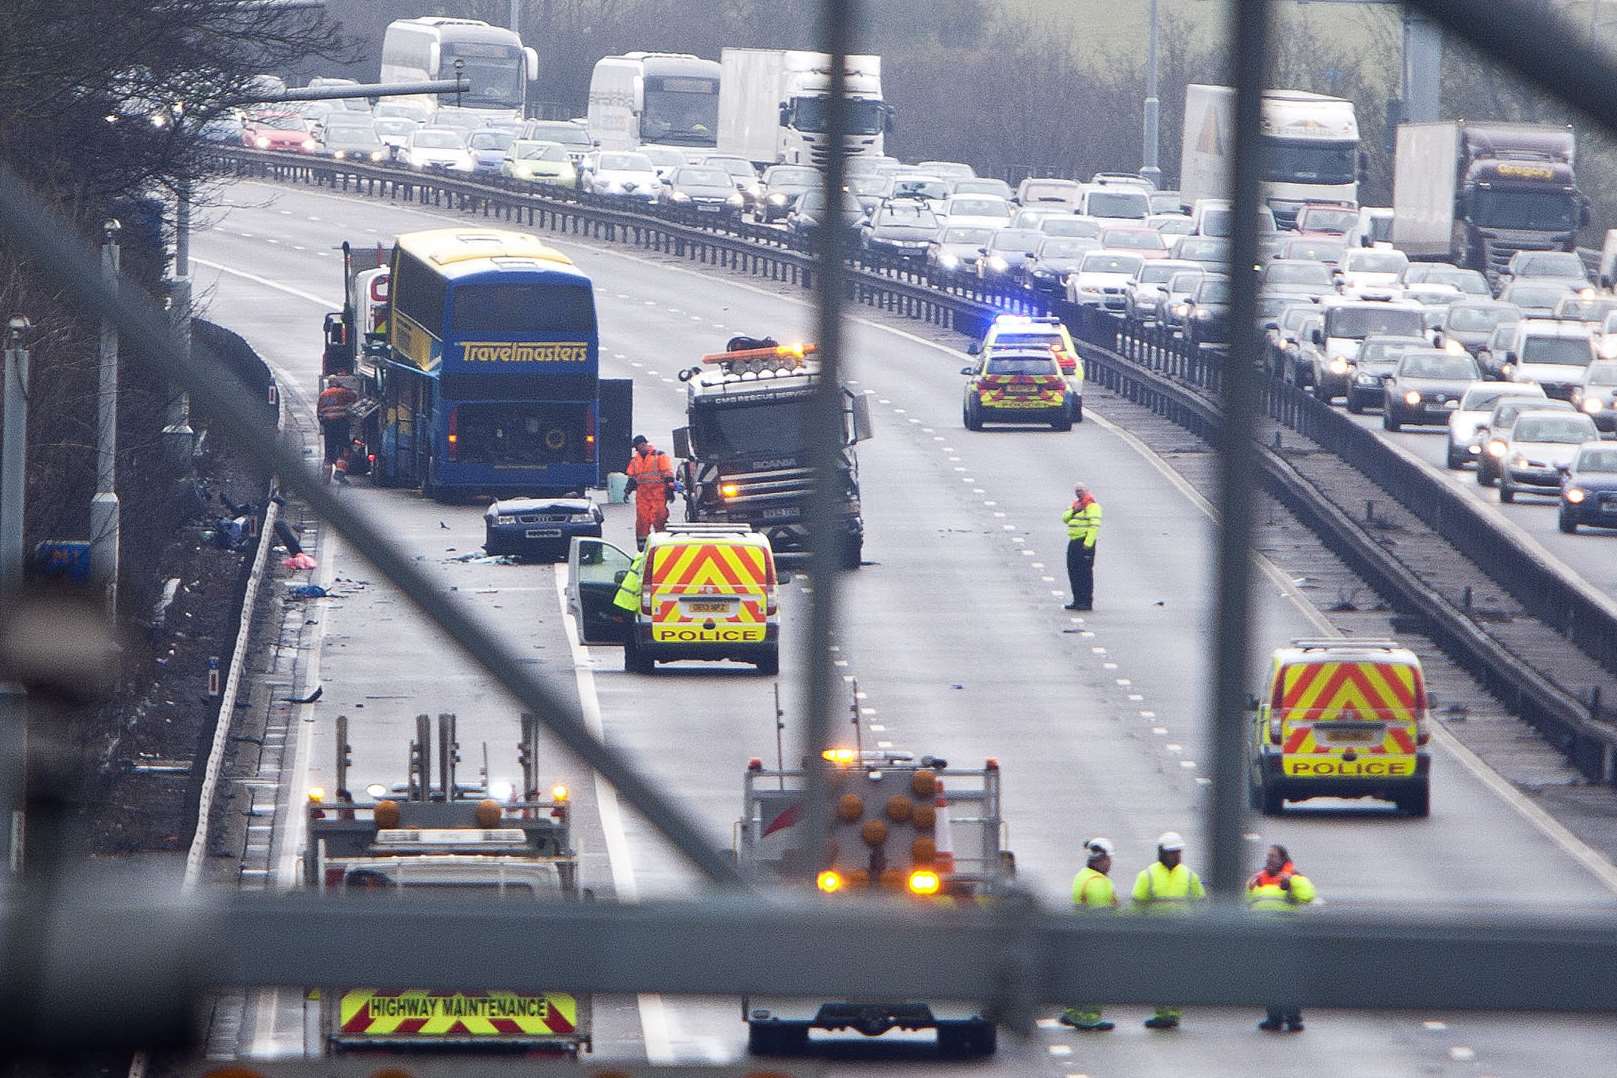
x=31, y=226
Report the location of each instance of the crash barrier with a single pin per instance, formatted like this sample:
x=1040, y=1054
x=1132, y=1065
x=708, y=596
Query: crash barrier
x=966, y=304
x=236, y=355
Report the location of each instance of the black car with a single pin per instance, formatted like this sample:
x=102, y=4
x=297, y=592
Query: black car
x=1047, y=268
x=1207, y=315
x=707, y=189
x=1473, y=321
x=900, y=228
x=783, y=185
x=1377, y=361
x=538, y=527
x=1426, y=387
x=813, y=207
x=1596, y=394
x=1589, y=489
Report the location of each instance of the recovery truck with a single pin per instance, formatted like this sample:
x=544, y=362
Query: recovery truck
x=744, y=450
x=1476, y=193
x=913, y=829
x=463, y=843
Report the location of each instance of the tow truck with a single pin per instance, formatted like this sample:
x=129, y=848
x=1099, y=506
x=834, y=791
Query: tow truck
x=745, y=456
x=441, y=838
x=914, y=829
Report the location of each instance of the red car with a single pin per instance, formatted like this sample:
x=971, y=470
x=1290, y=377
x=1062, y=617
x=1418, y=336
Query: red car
x=278, y=131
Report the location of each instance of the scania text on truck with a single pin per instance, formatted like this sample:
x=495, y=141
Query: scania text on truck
x=774, y=105
x=491, y=59
x=654, y=98
x=1476, y=193
x=745, y=456
x=433, y=836
x=1310, y=147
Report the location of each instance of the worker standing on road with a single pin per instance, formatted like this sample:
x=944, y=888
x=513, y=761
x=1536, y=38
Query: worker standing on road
x=1279, y=888
x=1167, y=886
x=332, y=409
x=651, y=481
x=1082, y=519
x=1092, y=890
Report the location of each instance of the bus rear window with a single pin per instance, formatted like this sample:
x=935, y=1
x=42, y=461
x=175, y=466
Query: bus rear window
x=520, y=310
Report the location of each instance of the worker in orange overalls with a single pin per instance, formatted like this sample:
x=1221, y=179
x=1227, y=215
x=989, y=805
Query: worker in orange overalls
x=332, y=409
x=651, y=481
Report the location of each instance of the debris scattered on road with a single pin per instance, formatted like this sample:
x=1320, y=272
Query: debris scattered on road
x=306, y=591
x=311, y=698
x=299, y=562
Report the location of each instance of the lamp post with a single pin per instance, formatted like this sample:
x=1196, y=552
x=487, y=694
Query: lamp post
x=1153, y=108
x=105, y=515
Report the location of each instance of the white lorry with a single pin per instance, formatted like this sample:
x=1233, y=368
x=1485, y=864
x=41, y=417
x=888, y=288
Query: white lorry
x=654, y=98
x=774, y=104
x=1310, y=141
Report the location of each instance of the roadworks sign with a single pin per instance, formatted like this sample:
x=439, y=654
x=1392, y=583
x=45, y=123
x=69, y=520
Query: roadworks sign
x=418, y=1013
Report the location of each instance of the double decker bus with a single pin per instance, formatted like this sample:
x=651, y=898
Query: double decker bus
x=488, y=381
x=492, y=59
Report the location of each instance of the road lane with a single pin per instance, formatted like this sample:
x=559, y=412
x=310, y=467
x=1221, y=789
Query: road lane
x=961, y=649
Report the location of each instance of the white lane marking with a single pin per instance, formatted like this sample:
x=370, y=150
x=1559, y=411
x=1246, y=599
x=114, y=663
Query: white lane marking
x=653, y=1014
x=328, y=304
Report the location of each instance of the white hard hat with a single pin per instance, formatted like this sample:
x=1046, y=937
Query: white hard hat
x=1170, y=840
x=1097, y=846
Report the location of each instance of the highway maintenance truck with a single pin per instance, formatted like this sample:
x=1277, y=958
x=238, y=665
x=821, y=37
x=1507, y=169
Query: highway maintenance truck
x=745, y=456
x=916, y=830
x=1476, y=193
x=469, y=843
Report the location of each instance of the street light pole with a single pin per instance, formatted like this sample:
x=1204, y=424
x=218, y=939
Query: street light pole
x=1153, y=107
x=105, y=516
x=178, y=437
x=14, y=459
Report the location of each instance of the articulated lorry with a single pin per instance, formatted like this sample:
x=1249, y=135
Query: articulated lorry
x=1310, y=144
x=745, y=446
x=1476, y=193
x=774, y=105
x=438, y=838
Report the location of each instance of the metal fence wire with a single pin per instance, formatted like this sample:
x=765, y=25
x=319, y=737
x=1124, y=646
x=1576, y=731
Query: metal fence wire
x=101, y=967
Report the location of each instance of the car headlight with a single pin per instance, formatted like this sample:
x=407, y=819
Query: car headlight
x=998, y=264
x=735, y=200
x=777, y=199
x=309, y=144
x=679, y=196
x=1454, y=347
x=505, y=519
x=340, y=154
x=1507, y=369
x=1203, y=314
x=581, y=518
x=1412, y=397
x=1593, y=405
x=1368, y=379
x=1496, y=449
x=948, y=260
x=1575, y=495
x=262, y=142
x=377, y=155
x=1339, y=365
x=1180, y=310
x=1518, y=461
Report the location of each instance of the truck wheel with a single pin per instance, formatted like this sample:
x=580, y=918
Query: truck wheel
x=968, y=1039
x=770, y=663
x=1417, y=803
x=776, y=1038
x=1354, y=404
x=853, y=551
x=1391, y=422
x=1567, y=523
x=1484, y=477
x=1454, y=461
x=1507, y=493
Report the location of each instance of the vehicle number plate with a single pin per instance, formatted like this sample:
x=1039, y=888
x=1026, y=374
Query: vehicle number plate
x=708, y=209
x=543, y=533
x=1352, y=735
x=1020, y=391
x=1609, y=507
x=708, y=606
x=784, y=513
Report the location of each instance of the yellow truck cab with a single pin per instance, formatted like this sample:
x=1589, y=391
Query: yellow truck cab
x=1341, y=718
x=707, y=591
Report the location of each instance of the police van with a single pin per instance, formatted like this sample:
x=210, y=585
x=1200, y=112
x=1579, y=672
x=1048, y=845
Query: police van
x=1341, y=718
x=707, y=591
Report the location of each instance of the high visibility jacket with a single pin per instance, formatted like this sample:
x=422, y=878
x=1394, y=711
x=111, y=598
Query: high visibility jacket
x=1093, y=889
x=1159, y=888
x=650, y=473
x=1083, y=521
x=334, y=402
x=628, y=596
x=1263, y=891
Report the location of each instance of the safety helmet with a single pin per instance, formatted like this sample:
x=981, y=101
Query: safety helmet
x=1098, y=846
x=1169, y=841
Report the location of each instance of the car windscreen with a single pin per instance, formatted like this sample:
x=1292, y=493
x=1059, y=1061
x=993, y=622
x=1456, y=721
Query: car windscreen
x=1483, y=397
x=395, y=125
x=543, y=151
x=489, y=140
x=792, y=179
x=913, y=215
x=904, y=185
x=1361, y=322
x=1202, y=249
x=1065, y=247
x=282, y=123
x=511, y=310
x=1534, y=293
x=1216, y=222
x=626, y=162
x=1376, y=262
x=1316, y=250
x=979, y=207
x=1133, y=239
x=970, y=236
x=1157, y=273
x=1470, y=282
x=1323, y=220
x=1313, y=273
x=1585, y=310
x=1070, y=226
x=859, y=185
x=1027, y=339
x=1374, y=351
x=1603, y=374
x=1478, y=319
x=1106, y=262
x=768, y=428
x=1184, y=280
x=1054, y=191
x=1564, y=350
x=982, y=187
x=1134, y=204
x=1560, y=429
x=702, y=177
x=1016, y=239
x=438, y=140
x=1597, y=460
x=565, y=133
x=352, y=135
x=1437, y=365
x=1551, y=264
x=1213, y=291
x=1022, y=365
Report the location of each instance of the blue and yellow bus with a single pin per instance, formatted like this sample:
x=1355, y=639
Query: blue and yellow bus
x=490, y=382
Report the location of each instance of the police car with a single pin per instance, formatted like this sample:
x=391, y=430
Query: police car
x=1040, y=331
x=538, y=527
